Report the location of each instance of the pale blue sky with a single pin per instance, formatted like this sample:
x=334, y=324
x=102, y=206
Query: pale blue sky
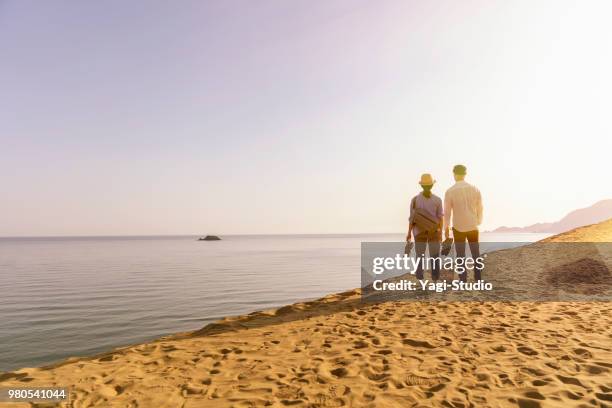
x=296, y=117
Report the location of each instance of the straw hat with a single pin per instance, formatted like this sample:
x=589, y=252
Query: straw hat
x=426, y=180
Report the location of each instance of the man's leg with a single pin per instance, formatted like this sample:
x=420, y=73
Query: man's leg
x=459, y=238
x=420, y=244
x=472, y=237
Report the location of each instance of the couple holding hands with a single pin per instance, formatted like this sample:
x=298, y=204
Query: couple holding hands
x=429, y=218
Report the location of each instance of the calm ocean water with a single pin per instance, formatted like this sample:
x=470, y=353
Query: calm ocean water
x=65, y=297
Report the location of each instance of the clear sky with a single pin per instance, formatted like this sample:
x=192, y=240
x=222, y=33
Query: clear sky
x=300, y=116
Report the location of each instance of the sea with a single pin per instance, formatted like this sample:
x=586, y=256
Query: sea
x=78, y=296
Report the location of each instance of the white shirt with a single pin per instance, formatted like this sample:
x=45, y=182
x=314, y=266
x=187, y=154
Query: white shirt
x=464, y=203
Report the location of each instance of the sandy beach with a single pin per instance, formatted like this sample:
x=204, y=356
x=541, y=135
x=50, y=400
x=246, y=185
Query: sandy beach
x=338, y=351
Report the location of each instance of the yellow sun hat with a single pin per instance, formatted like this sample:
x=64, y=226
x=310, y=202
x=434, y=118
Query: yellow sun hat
x=426, y=180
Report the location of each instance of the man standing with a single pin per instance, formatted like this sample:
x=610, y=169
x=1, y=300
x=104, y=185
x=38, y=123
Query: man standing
x=463, y=202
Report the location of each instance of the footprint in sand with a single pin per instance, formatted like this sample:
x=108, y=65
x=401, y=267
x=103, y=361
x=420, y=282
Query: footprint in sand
x=359, y=344
x=570, y=380
x=534, y=395
x=603, y=397
x=372, y=376
x=527, y=403
x=322, y=400
x=418, y=380
x=584, y=353
x=594, y=370
x=339, y=390
x=527, y=351
x=339, y=372
x=289, y=393
x=418, y=343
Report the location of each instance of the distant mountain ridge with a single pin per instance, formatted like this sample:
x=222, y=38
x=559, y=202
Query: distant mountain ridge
x=598, y=212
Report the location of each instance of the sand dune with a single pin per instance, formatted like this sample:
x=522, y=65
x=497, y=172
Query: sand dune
x=338, y=351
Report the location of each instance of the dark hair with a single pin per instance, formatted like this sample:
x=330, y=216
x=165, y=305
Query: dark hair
x=460, y=169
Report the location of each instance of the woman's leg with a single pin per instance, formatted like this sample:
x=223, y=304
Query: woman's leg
x=420, y=245
x=434, y=253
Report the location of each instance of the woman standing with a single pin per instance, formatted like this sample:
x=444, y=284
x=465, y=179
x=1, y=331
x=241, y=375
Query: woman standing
x=426, y=218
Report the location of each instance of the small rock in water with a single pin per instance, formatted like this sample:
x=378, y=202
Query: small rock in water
x=210, y=238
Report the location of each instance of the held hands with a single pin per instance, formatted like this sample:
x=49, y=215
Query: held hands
x=446, y=233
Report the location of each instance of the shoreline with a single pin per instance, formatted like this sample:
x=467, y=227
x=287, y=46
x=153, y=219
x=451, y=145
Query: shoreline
x=168, y=333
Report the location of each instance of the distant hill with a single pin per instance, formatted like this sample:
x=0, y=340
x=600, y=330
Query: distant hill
x=598, y=212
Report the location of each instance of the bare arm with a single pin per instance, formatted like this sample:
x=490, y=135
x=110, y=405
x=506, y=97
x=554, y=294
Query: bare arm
x=410, y=220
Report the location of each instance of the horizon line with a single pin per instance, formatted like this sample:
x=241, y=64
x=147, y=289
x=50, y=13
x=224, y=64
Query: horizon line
x=223, y=235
